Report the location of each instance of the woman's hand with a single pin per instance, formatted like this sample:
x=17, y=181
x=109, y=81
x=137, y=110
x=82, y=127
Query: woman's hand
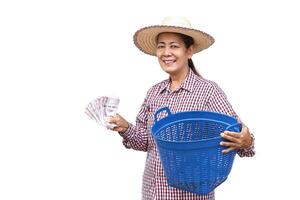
x=240, y=140
x=122, y=124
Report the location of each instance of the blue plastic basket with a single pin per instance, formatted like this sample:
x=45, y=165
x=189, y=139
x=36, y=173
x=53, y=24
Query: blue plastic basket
x=189, y=148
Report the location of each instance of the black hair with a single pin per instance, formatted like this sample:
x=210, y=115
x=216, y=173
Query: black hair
x=188, y=41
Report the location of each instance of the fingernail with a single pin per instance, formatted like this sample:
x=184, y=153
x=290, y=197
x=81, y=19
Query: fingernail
x=221, y=143
x=108, y=119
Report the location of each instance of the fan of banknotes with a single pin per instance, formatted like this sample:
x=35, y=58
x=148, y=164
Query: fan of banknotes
x=102, y=108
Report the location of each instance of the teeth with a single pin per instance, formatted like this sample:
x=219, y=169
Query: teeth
x=169, y=61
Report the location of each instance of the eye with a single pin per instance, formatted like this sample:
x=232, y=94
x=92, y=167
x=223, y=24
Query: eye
x=173, y=46
x=160, y=46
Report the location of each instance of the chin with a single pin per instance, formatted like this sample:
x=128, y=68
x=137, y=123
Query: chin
x=169, y=71
x=169, y=68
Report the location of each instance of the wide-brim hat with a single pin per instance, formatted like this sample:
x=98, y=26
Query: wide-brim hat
x=146, y=38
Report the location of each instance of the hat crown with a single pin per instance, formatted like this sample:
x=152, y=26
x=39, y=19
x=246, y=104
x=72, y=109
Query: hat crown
x=176, y=21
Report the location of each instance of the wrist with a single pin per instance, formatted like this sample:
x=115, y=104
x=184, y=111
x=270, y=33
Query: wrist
x=249, y=143
x=125, y=129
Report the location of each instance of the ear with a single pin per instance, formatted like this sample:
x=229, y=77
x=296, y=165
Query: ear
x=190, y=51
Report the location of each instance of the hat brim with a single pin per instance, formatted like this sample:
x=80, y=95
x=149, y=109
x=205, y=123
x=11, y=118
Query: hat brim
x=145, y=38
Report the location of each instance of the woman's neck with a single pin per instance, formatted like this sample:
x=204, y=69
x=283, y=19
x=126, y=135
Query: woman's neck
x=178, y=78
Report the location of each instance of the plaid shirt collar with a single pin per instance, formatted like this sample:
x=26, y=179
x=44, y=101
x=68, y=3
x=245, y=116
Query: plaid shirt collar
x=188, y=84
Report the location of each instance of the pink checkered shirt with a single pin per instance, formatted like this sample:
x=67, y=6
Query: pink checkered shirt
x=195, y=93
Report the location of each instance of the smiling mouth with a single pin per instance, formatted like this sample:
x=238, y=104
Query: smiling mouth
x=169, y=62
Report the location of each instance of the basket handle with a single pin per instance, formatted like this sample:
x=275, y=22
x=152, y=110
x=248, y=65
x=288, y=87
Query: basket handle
x=166, y=109
x=235, y=127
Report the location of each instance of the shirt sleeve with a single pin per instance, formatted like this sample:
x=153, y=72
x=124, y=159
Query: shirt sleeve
x=136, y=136
x=218, y=103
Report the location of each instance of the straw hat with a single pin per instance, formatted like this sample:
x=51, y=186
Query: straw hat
x=145, y=38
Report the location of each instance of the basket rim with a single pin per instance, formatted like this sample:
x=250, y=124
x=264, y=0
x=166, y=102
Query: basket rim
x=154, y=133
x=193, y=115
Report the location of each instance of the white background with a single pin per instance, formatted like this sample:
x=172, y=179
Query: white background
x=56, y=56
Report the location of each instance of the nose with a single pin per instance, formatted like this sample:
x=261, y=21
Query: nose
x=166, y=52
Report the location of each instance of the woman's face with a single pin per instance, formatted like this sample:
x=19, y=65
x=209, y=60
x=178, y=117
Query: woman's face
x=172, y=54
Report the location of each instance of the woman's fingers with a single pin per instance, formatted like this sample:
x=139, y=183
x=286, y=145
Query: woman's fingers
x=231, y=136
x=230, y=144
x=228, y=150
x=118, y=129
x=233, y=141
x=115, y=120
x=121, y=124
x=236, y=140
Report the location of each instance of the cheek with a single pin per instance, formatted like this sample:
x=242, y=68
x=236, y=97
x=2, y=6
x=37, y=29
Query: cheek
x=158, y=56
x=160, y=62
x=158, y=53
